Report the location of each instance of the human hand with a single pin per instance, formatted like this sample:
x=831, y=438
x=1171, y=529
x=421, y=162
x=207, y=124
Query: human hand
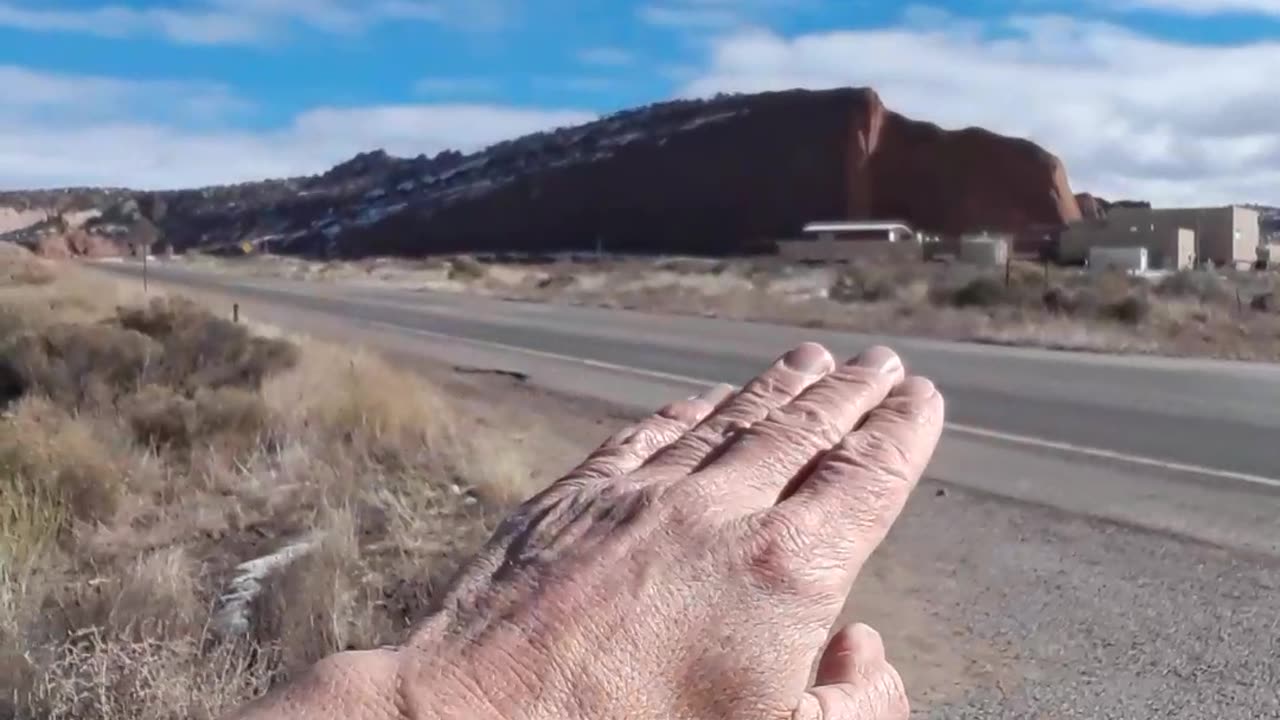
x=691, y=567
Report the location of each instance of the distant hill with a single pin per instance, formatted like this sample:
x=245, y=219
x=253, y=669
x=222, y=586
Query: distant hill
x=717, y=176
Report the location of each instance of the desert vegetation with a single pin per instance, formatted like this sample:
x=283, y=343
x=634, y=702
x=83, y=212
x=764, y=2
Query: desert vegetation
x=149, y=449
x=1198, y=313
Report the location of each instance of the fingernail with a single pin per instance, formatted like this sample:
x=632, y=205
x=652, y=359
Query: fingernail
x=715, y=394
x=808, y=358
x=916, y=386
x=880, y=359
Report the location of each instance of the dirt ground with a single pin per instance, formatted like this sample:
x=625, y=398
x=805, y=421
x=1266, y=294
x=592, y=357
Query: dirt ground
x=1227, y=314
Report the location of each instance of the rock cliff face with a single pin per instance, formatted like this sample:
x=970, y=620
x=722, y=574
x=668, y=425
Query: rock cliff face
x=951, y=181
x=720, y=176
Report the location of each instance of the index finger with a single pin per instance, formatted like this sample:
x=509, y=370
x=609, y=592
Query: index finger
x=853, y=495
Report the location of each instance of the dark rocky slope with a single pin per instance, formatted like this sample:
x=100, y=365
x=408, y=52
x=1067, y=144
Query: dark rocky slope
x=719, y=176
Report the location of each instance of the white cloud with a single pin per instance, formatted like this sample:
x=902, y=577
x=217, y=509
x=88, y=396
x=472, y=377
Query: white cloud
x=102, y=137
x=1202, y=7
x=194, y=27
x=698, y=16
x=69, y=100
x=688, y=16
x=456, y=85
x=227, y=22
x=574, y=83
x=1130, y=115
x=609, y=56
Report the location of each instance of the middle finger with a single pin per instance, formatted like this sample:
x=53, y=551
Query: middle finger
x=759, y=466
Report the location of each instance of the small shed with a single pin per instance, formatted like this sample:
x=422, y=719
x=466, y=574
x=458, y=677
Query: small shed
x=1125, y=259
x=984, y=249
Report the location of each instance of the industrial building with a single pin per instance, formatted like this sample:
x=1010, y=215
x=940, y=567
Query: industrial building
x=1175, y=238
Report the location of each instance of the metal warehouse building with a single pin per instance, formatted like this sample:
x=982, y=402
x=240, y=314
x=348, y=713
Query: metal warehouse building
x=1175, y=238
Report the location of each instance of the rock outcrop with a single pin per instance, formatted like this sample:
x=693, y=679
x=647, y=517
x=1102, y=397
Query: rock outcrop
x=720, y=176
x=1093, y=207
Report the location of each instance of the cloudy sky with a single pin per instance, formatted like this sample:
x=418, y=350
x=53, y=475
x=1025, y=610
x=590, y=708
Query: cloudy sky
x=1175, y=101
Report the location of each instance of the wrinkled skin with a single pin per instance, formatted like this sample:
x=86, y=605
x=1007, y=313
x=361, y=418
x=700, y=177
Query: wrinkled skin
x=692, y=567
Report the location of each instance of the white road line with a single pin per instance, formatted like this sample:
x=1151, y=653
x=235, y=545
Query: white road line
x=1012, y=438
x=1102, y=454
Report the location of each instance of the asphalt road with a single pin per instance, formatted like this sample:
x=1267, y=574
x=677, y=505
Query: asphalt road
x=1142, y=440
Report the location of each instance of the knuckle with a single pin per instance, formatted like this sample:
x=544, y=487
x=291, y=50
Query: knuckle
x=881, y=453
x=609, y=493
x=800, y=423
x=876, y=456
x=603, y=464
x=653, y=435
x=683, y=503
x=880, y=473
x=695, y=445
x=775, y=555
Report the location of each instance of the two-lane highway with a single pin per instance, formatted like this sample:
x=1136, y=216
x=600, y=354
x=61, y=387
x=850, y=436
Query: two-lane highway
x=1162, y=437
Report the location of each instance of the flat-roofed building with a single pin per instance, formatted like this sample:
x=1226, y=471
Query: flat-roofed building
x=845, y=240
x=1175, y=238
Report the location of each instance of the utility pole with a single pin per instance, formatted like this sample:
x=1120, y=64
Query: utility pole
x=144, y=268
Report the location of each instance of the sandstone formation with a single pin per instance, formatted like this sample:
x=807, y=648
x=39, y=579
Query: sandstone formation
x=1091, y=207
x=719, y=176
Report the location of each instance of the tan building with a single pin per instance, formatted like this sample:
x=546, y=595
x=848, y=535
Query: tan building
x=1175, y=238
x=1225, y=236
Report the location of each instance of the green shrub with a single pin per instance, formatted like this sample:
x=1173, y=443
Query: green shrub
x=1133, y=309
x=213, y=416
x=861, y=283
x=982, y=291
x=1202, y=285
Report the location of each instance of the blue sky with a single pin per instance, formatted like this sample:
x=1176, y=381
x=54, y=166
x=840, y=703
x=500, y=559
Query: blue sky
x=1166, y=99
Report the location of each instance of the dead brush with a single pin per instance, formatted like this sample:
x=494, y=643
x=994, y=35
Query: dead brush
x=57, y=468
x=130, y=496
x=95, y=675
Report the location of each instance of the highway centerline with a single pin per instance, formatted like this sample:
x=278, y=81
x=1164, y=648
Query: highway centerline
x=970, y=430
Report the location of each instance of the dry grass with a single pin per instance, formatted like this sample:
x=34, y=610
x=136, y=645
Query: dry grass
x=146, y=452
x=1197, y=313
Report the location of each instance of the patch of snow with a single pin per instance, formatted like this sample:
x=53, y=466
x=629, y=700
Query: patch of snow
x=406, y=186
x=707, y=119
x=624, y=139
x=375, y=193
x=371, y=215
x=472, y=164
